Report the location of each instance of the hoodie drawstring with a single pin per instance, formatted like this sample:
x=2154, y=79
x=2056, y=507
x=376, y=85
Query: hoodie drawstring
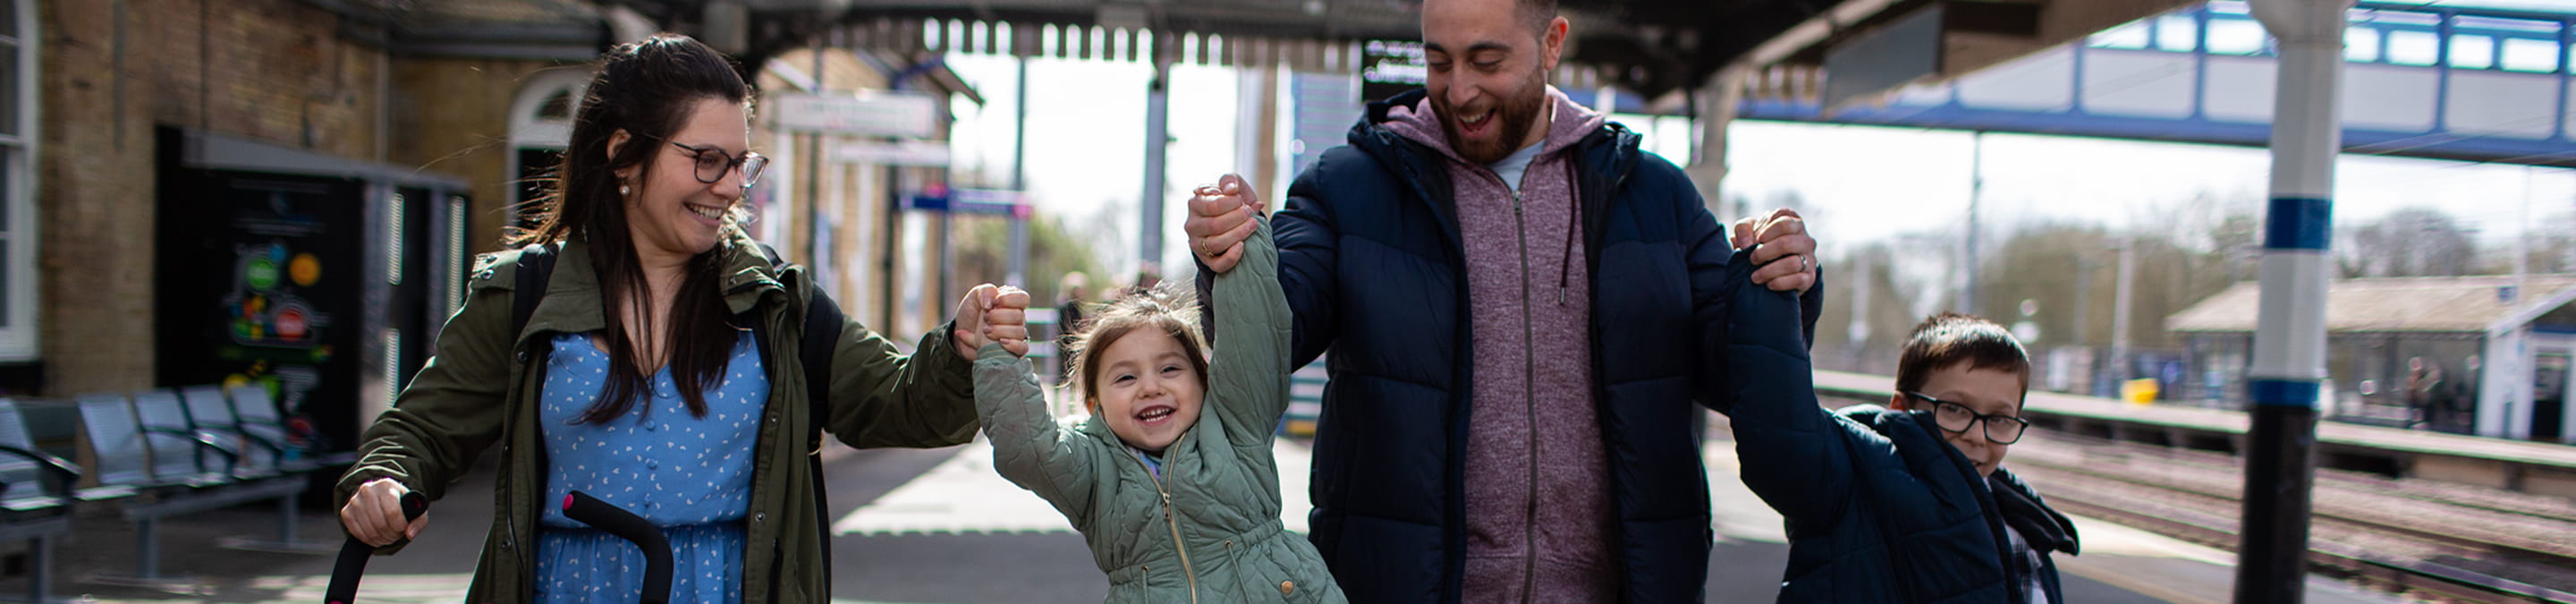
x=1573, y=224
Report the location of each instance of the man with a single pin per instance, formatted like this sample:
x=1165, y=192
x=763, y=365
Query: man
x=1521, y=308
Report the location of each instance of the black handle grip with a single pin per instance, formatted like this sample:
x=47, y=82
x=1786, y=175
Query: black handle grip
x=353, y=556
x=589, y=510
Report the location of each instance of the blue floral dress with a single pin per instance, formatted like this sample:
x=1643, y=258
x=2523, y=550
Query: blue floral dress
x=689, y=475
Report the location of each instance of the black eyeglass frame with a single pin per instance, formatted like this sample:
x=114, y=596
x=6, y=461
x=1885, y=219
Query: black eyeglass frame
x=750, y=173
x=1974, y=419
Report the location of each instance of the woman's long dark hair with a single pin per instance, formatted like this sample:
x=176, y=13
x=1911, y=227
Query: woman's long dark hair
x=646, y=89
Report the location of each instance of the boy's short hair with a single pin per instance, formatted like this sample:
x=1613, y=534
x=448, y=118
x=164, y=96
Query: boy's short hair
x=1950, y=338
x=1165, y=307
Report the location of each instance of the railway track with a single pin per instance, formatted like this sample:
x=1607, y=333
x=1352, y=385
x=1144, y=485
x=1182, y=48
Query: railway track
x=2426, y=540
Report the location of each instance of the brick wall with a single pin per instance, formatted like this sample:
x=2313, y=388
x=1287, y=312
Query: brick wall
x=452, y=116
x=272, y=70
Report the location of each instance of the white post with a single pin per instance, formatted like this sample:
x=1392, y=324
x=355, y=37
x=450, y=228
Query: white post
x=2290, y=333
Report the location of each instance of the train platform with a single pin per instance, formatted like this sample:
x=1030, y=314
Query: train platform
x=2526, y=467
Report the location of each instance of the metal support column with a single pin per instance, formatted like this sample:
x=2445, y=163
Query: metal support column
x=1158, y=96
x=2290, y=335
x=1976, y=193
x=1019, y=272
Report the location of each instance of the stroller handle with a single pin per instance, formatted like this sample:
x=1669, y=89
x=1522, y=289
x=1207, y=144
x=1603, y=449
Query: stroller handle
x=354, y=553
x=604, y=516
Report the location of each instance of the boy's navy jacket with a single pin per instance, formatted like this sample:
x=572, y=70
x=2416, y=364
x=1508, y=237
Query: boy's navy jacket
x=1370, y=257
x=1878, y=507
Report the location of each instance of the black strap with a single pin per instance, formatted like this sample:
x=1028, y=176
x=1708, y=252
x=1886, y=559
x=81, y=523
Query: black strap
x=822, y=338
x=536, y=265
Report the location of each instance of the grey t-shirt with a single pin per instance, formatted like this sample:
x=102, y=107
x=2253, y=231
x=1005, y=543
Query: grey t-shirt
x=1511, y=167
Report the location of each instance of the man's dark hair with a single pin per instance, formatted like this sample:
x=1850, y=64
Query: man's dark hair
x=1536, y=13
x=1949, y=339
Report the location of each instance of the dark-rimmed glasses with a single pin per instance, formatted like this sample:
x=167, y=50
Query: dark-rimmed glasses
x=1957, y=418
x=713, y=163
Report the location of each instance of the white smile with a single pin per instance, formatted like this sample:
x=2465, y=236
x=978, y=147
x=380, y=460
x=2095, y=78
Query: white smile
x=1154, y=415
x=707, y=212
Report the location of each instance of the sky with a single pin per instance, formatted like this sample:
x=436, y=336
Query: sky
x=1859, y=184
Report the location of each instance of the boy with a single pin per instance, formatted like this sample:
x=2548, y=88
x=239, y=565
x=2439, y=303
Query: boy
x=1904, y=503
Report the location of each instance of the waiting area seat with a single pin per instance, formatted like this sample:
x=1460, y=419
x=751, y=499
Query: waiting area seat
x=35, y=498
x=162, y=461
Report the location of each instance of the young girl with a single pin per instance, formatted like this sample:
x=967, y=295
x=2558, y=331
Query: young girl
x=1177, y=506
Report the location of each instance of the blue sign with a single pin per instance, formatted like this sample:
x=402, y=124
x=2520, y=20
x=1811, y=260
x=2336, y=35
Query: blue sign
x=995, y=202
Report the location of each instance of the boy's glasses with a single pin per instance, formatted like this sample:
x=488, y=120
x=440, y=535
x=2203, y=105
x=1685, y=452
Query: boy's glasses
x=1957, y=418
x=714, y=163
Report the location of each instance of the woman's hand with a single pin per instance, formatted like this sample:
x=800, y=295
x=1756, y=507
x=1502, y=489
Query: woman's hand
x=992, y=313
x=374, y=515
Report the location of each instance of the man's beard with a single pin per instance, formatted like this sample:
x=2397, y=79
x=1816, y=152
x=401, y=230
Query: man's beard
x=1518, y=111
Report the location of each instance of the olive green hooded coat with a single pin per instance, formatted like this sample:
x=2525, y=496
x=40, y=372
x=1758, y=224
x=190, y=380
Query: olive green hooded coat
x=480, y=388
x=1208, y=529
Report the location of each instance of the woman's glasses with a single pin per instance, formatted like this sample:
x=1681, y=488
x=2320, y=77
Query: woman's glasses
x=714, y=163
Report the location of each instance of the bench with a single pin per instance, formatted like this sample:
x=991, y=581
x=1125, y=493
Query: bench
x=262, y=418
x=148, y=447
x=35, y=498
x=226, y=415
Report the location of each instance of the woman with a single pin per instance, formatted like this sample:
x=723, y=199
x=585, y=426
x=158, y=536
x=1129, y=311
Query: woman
x=640, y=378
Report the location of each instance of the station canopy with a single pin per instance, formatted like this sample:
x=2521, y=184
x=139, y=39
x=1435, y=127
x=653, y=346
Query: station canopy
x=1651, y=48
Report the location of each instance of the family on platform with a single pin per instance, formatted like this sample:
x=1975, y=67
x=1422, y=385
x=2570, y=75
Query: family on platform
x=1526, y=315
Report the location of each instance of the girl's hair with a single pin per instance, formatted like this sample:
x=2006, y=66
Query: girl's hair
x=648, y=90
x=1168, y=308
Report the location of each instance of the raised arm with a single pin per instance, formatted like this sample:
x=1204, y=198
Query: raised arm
x=1250, y=373
x=1029, y=447
x=884, y=398
x=1795, y=454
x=1308, y=242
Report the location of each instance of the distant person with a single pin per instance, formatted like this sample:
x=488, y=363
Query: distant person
x=1175, y=457
x=1149, y=275
x=660, y=369
x=1074, y=292
x=1520, y=303
x=1906, y=503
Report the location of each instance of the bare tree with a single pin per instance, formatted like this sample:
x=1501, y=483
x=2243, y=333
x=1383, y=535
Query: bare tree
x=2411, y=242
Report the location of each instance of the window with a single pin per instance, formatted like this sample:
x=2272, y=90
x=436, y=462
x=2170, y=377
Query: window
x=2237, y=37
x=2472, y=52
x=2415, y=48
x=18, y=278
x=2361, y=44
x=2132, y=35
x=540, y=125
x=2525, y=54
x=2178, y=33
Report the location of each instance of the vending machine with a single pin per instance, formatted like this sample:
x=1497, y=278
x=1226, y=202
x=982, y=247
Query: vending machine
x=319, y=278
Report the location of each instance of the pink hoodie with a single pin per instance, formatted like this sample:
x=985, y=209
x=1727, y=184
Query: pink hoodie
x=1539, y=517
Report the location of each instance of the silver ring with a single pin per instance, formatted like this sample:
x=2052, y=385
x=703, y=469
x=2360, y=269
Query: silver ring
x=1805, y=264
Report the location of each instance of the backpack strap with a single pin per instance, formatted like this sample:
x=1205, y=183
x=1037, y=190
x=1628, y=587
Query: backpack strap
x=536, y=267
x=814, y=352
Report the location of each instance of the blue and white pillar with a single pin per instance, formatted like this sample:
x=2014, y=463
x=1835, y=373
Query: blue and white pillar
x=2290, y=335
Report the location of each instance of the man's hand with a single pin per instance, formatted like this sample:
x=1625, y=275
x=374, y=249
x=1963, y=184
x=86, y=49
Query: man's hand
x=1786, y=255
x=992, y=313
x=1221, y=217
